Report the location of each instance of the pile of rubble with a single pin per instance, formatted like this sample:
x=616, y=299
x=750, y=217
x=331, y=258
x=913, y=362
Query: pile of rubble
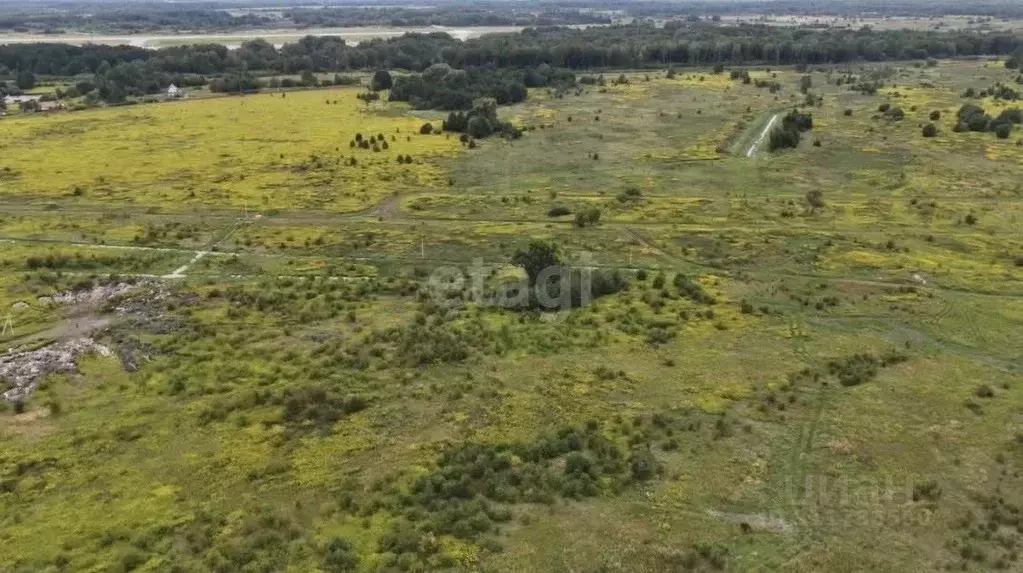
x=95, y=295
x=24, y=370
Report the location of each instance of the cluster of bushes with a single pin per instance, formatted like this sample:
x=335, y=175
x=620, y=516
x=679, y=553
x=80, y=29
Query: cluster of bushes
x=692, y=290
x=742, y=75
x=859, y=368
x=543, y=257
x=587, y=217
x=442, y=87
x=308, y=80
x=368, y=97
x=303, y=300
x=893, y=113
x=770, y=85
x=311, y=407
x=436, y=335
x=480, y=121
x=80, y=262
x=972, y=117
x=236, y=83
x=375, y=142
x=318, y=407
x=172, y=232
x=787, y=135
x=997, y=91
x=471, y=491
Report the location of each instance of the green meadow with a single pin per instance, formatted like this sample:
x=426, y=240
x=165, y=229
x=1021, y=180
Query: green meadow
x=813, y=365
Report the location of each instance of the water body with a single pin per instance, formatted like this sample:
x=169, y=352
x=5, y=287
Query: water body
x=234, y=39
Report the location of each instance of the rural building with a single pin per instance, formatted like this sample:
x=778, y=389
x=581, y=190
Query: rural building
x=174, y=91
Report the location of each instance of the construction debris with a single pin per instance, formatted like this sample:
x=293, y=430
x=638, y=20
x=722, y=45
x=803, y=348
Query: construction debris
x=96, y=295
x=23, y=371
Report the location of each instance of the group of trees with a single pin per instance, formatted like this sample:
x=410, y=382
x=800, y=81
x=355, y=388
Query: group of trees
x=500, y=66
x=108, y=17
x=788, y=134
x=972, y=117
x=547, y=273
x=57, y=16
x=623, y=46
x=481, y=121
x=442, y=87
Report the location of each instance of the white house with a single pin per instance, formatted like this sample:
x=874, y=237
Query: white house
x=174, y=91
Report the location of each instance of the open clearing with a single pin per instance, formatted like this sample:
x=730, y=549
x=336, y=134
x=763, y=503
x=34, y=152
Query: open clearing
x=849, y=402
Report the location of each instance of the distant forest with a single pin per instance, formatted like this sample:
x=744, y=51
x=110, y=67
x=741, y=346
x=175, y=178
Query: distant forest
x=97, y=16
x=676, y=43
x=120, y=72
x=173, y=17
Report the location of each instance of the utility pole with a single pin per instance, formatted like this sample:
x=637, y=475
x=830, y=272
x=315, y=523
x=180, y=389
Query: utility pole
x=8, y=327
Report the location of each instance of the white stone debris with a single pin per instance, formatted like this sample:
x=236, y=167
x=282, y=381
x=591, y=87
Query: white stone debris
x=24, y=370
x=94, y=295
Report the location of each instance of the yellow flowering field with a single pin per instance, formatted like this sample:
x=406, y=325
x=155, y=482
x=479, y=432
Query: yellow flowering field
x=265, y=151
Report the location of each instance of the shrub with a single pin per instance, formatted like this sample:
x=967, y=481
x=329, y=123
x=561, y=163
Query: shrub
x=340, y=557
x=642, y=465
x=692, y=290
x=935, y=115
x=538, y=256
x=630, y=194
x=930, y=130
x=859, y=368
x=558, y=211
x=1003, y=130
x=588, y=217
x=847, y=112
x=318, y=406
x=382, y=80
x=883, y=108
x=426, y=129
x=895, y=114
x=783, y=138
x=929, y=490
x=479, y=127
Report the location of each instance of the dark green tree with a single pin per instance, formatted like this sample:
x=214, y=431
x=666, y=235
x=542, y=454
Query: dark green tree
x=382, y=80
x=539, y=255
x=26, y=80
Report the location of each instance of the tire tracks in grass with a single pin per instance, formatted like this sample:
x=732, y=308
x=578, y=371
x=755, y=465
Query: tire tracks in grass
x=763, y=135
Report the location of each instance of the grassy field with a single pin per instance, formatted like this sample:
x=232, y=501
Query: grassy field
x=784, y=386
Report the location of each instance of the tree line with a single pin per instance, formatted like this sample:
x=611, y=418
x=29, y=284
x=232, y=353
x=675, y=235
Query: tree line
x=58, y=16
x=106, y=17
x=137, y=71
x=624, y=46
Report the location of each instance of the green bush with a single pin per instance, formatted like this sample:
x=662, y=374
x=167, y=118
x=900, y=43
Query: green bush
x=692, y=290
x=587, y=217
